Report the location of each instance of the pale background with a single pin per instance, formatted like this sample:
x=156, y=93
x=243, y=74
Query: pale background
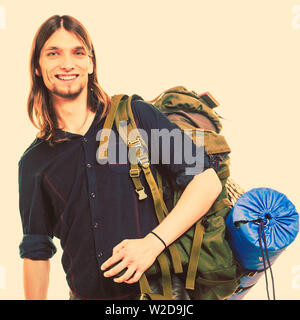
x=245, y=52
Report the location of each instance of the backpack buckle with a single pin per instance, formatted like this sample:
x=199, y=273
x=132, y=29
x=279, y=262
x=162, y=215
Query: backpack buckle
x=135, y=143
x=141, y=193
x=134, y=173
x=144, y=161
x=142, y=158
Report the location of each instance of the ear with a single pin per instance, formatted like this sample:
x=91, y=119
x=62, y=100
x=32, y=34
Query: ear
x=37, y=72
x=91, y=66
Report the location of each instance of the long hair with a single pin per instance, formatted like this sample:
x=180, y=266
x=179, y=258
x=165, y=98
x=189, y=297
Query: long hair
x=39, y=106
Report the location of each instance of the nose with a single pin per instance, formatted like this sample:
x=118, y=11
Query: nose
x=66, y=62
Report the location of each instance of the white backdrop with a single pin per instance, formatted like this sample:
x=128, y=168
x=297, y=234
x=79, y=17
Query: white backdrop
x=246, y=53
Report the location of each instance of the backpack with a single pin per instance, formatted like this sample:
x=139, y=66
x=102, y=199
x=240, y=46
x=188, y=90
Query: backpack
x=201, y=256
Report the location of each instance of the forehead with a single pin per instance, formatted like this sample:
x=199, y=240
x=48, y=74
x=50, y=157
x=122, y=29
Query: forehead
x=63, y=39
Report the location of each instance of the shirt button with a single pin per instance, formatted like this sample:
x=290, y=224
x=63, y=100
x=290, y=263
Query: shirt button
x=100, y=254
x=93, y=195
x=89, y=165
x=96, y=225
x=85, y=139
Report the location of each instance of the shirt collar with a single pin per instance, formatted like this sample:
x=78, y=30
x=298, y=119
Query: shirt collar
x=61, y=134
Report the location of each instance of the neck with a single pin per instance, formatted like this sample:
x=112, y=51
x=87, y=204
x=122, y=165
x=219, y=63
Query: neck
x=71, y=114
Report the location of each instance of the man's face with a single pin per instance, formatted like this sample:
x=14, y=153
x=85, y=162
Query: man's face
x=65, y=65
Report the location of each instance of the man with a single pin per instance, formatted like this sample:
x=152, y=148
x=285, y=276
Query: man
x=64, y=192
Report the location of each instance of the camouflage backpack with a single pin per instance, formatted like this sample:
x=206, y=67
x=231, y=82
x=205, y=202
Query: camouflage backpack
x=201, y=255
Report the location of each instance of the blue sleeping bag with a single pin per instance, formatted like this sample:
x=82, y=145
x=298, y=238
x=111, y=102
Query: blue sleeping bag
x=247, y=282
x=260, y=214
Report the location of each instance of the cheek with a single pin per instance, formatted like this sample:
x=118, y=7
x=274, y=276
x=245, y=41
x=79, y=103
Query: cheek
x=48, y=78
x=84, y=70
x=47, y=70
x=84, y=66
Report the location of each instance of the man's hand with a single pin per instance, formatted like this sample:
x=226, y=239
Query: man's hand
x=137, y=255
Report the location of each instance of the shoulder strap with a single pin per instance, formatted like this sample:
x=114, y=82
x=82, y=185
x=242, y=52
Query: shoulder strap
x=141, y=152
x=102, y=152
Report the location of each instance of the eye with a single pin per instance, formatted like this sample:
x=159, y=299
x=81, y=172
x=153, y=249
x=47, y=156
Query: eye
x=80, y=53
x=52, y=54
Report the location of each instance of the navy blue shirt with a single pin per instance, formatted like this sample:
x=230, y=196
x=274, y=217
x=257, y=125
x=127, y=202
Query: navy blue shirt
x=66, y=193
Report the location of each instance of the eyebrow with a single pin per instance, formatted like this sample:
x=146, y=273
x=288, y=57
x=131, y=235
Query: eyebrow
x=56, y=48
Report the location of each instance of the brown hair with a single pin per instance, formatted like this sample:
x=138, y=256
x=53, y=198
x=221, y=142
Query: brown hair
x=39, y=107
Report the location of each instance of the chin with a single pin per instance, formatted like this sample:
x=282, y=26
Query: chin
x=67, y=95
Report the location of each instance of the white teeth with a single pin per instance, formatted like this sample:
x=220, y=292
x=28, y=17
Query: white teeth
x=66, y=77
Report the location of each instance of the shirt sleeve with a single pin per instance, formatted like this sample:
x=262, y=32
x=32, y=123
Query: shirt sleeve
x=171, y=148
x=35, y=209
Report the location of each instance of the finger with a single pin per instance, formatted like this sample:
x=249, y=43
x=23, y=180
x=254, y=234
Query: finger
x=116, y=250
x=135, y=278
x=112, y=260
x=118, y=247
x=116, y=269
x=126, y=275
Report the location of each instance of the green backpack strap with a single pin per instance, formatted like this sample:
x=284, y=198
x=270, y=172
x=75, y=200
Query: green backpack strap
x=194, y=256
x=117, y=114
x=196, y=246
x=102, y=153
x=145, y=288
x=159, y=204
x=122, y=116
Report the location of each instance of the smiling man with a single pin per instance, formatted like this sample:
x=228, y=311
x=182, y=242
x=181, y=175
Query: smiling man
x=64, y=192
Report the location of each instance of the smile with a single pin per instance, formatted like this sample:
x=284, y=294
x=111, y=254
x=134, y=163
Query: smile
x=66, y=77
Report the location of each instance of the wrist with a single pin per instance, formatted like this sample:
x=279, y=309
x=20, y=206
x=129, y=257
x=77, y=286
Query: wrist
x=155, y=243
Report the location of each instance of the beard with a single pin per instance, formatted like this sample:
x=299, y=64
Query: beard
x=67, y=95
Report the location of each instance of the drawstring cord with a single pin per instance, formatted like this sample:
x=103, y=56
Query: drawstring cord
x=261, y=231
x=262, y=240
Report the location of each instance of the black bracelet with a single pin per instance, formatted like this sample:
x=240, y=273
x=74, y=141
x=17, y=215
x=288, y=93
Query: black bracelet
x=159, y=238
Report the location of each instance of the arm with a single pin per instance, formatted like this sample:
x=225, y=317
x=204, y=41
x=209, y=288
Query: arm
x=194, y=202
x=36, y=279
x=36, y=247
x=139, y=254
